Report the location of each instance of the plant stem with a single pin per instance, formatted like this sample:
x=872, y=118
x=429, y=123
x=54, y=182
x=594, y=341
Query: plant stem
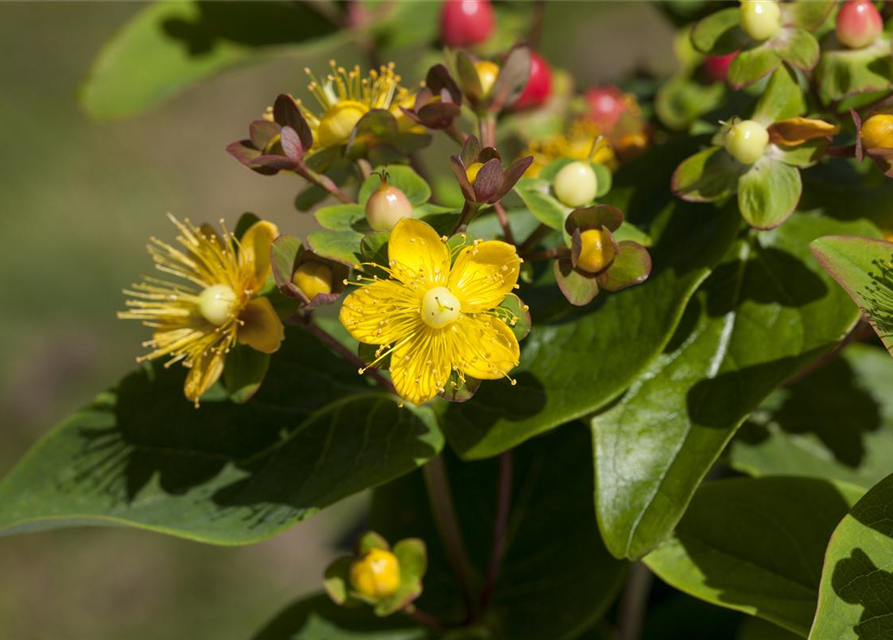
x=632, y=605
x=535, y=35
x=453, y=132
x=487, y=125
x=468, y=212
x=323, y=181
x=444, y=512
x=500, y=524
x=425, y=619
x=329, y=340
x=538, y=234
x=504, y=222
x=550, y=254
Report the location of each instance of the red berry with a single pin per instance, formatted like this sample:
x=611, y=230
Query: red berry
x=858, y=24
x=717, y=67
x=539, y=84
x=606, y=105
x=464, y=23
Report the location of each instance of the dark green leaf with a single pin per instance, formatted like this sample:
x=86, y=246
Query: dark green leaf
x=837, y=423
x=856, y=596
x=169, y=46
x=545, y=590
x=244, y=372
x=765, y=313
x=755, y=545
x=709, y=175
x=143, y=456
x=318, y=618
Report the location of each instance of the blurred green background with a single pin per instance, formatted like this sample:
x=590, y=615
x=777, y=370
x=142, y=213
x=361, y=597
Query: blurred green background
x=78, y=199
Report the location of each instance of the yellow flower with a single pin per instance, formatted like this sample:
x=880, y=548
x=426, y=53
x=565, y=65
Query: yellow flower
x=581, y=142
x=345, y=97
x=435, y=318
x=198, y=322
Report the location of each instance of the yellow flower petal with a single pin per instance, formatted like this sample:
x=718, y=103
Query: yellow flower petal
x=420, y=365
x=204, y=372
x=486, y=347
x=415, y=251
x=254, y=249
x=484, y=274
x=262, y=328
x=382, y=312
x=796, y=131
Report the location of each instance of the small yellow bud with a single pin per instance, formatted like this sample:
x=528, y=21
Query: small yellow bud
x=216, y=303
x=377, y=574
x=597, y=251
x=472, y=172
x=487, y=73
x=313, y=278
x=877, y=132
x=338, y=122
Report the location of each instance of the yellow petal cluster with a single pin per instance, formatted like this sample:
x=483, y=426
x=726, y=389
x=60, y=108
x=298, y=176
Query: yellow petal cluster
x=199, y=320
x=582, y=141
x=470, y=333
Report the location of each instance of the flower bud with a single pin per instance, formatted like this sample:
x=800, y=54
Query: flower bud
x=216, y=303
x=472, y=172
x=464, y=23
x=575, y=184
x=877, y=132
x=539, y=84
x=597, y=250
x=858, y=24
x=760, y=19
x=338, y=122
x=386, y=206
x=746, y=141
x=313, y=278
x=606, y=105
x=487, y=74
x=376, y=574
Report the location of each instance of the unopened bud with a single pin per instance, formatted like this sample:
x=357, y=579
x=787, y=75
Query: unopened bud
x=313, y=278
x=575, y=184
x=858, y=24
x=746, y=141
x=339, y=121
x=376, y=574
x=386, y=206
x=487, y=74
x=877, y=132
x=472, y=171
x=760, y=19
x=597, y=250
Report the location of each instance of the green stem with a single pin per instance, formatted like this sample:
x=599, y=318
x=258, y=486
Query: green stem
x=444, y=513
x=504, y=223
x=533, y=239
x=323, y=181
x=468, y=212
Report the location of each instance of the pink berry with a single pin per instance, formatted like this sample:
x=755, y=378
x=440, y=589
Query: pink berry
x=858, y=24
x=539, y=84
x=606, y=105
x=464, y=23
x=717, y=67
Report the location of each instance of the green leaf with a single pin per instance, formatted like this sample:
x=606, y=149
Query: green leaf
x=798, y=47
x=807, y=14
x=342, y=217
x=856, y=594
x=752, y=64
x=755, y=545
x=244, y=372
x=169, y=46
x=836, y=423
x=709, y=175
x=766, y=312
x=402, y=177
x=578, y=287
x=631, y=266
x=758, y=629
x=340, y=246
x=802, y=155
x=543, y=206
x=782, y=99
x=768, y=193
x=228, y=474
x=544, y=589
x=318, y=618
x=719, y=34
x=845, y=72
x=862, y=266
x=682, y=100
